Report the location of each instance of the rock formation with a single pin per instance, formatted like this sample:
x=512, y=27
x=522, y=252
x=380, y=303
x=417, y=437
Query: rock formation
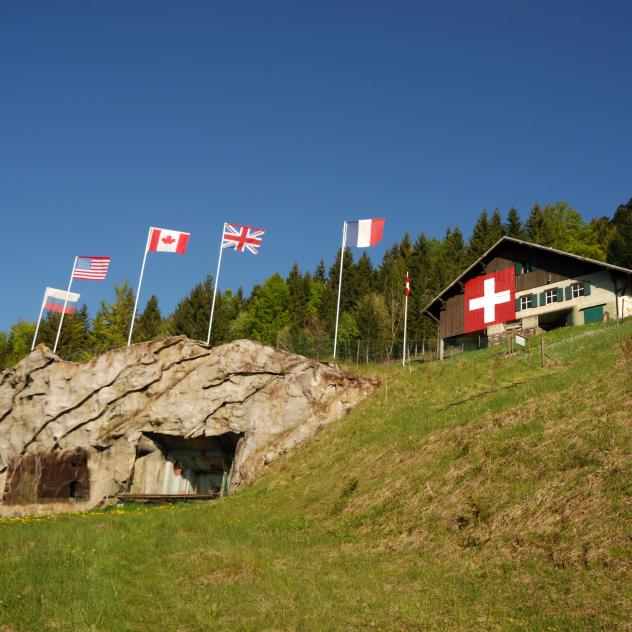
x=171, y=416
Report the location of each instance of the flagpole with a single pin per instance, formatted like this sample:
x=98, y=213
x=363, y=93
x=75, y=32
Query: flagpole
x=39, y=320
x=342, y=258
x=405, y=322
x=215, y=284
x=140, y=281
x=63, y=312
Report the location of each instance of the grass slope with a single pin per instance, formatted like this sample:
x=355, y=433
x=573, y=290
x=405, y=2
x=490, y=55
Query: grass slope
x=483, y=492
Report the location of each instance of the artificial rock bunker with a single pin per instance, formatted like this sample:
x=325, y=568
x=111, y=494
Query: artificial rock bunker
x=171, y=417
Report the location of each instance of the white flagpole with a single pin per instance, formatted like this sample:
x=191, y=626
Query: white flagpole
x=405, y=322
x=63, y=312
x=342, y=258
x=39, y=320
x=215, y=284
x=140, y=281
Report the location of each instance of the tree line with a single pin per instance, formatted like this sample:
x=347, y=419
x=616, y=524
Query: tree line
x=297, y=312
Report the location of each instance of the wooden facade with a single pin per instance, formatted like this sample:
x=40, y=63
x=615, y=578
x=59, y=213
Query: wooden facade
x=535, y=267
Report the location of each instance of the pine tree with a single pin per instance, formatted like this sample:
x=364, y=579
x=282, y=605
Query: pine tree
x=191, y=316
x=320, y=274
x=496, y=229
x=148, y=326
x=359, y=279
x=536, y=231
x=298, y=287
x=620, y=246
x=513, y=226
x=453, y=257
x=419, y=267
x=482, y=238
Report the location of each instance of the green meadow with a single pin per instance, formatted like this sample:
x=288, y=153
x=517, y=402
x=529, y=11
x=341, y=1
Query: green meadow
x=480, y=493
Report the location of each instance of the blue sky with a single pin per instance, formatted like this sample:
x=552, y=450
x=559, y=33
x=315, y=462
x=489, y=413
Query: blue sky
x=292, y=116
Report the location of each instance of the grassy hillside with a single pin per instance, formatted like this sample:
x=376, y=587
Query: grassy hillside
x=484, y=492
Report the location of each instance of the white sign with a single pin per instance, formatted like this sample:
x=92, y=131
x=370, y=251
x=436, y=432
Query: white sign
x=521, y=341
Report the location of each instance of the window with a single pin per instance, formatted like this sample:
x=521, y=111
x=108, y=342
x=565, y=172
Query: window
x=525, y=302
x=522, y=267
x=550, y=296
x=577, y=290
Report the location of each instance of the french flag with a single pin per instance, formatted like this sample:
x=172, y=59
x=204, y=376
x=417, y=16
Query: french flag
x=364, y=233
x=55, y=299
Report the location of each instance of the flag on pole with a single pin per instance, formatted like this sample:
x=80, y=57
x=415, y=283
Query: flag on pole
x=158, y=240
x=164, y=240
x=406, y=295
x=91, y=268
x=364, y=233
x=240, y=237
x=54, y=300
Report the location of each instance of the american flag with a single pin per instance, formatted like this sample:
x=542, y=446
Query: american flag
x=240, y=237
x=91, y=268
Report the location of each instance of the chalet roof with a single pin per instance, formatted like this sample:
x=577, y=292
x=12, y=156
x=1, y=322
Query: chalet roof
x=521, y=243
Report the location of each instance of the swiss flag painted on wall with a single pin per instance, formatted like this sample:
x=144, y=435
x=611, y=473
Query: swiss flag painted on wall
x=490, y=299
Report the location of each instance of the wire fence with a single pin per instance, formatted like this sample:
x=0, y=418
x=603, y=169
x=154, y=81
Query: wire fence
x=366, y=351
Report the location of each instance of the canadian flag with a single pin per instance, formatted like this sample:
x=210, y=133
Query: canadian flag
x=163, y=240
x=490, y=299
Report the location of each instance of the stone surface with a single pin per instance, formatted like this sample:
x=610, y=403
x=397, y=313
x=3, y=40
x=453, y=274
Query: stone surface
x=272, y=399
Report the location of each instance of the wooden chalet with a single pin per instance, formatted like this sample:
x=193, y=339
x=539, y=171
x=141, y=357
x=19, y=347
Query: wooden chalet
x=552, y=289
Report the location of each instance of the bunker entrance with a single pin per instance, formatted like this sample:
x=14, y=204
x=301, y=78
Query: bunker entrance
x=172, y=466
x=48, y=477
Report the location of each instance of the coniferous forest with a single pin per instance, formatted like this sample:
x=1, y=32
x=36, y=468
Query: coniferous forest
x=297, y=312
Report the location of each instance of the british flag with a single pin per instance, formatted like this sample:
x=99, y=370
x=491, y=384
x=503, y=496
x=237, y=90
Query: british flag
x=240, y=237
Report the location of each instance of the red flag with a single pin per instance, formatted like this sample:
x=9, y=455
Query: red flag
x=407, y=290
x=164, y=240
x=490, y=299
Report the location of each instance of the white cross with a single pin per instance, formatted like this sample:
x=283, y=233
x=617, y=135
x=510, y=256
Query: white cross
x=489, y=300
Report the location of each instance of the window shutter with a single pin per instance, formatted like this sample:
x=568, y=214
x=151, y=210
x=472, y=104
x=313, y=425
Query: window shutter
x=586, y=288
x=517, y=304
x=560, y=294
x=518, y=268
x=533, y=300
x=542, y=298
x=568, y=292
x=533, y=268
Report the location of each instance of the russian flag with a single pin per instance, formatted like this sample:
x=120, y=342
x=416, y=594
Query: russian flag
x=364, y=233
x=54, y=300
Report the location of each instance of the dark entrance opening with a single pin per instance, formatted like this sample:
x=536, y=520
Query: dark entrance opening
x=169, y=465
x=554, y=320
x=48, y=477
